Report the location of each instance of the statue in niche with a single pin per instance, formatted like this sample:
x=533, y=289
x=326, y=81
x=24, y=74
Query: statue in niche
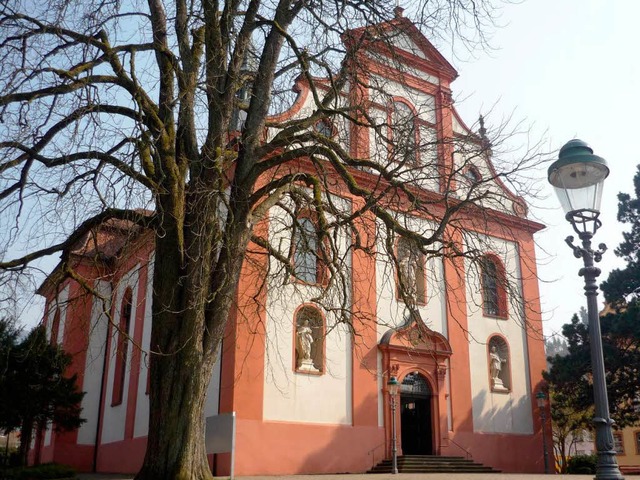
x=495, y=368
x=408, y=273
x=305, y=342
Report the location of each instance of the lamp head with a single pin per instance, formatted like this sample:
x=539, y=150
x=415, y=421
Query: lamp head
x=578, y=177
x=393, y=385
x=541, y=399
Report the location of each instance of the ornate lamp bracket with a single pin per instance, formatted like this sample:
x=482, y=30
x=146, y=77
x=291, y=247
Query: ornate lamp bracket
x=582, y=252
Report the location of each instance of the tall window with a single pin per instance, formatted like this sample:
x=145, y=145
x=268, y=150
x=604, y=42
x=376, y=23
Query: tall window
x=309, y=340
x=636, y=436
x=308, y=263
x=404, y=133
x=122, y=348
x=618, y=443
x=494, y=298
x=411, y=279
x=55, y=327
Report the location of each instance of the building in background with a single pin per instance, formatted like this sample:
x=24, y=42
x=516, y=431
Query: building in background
x=627, y=446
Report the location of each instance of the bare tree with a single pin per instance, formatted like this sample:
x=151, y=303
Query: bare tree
x=164, y=115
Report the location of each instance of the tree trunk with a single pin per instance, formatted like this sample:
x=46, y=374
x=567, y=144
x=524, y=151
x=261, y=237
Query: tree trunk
x=187, y=327
x=563, y=456
x=180, y=370
x=6, y=448
x=194, y=283
x=175, y=448
x=26, y=431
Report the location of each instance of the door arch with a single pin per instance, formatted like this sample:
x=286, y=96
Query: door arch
x=416, y=419
x=406, y=351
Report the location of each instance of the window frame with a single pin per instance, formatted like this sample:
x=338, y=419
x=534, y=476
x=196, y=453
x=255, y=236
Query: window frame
x=501, y=309
x=473, y=171
x=619, y=436
x=122, y=347
x=55, y=327
x=328, y=125
x=393, y=131
x=321, y=268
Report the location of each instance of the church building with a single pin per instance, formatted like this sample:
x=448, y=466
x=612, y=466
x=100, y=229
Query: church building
x=308, y=392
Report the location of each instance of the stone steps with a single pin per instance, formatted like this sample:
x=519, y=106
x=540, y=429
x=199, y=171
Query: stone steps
x=432, y=464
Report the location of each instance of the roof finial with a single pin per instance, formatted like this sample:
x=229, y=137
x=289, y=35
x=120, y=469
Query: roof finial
x=398, y=10
x=482, y=131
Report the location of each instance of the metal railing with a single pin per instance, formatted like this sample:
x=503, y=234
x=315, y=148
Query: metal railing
x=467, y=452
x=372, y=452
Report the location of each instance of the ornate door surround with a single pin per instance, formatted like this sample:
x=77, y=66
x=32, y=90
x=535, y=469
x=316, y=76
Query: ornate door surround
x=414, y=348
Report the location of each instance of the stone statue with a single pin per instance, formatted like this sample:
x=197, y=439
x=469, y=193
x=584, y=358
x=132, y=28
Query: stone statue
x=305, y=341
x=495, y=368
x=408, y=274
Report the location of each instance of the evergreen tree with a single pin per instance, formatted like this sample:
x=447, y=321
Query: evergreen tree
x=626, y=281
x=9, y=335
x=571, y=374
x=34, y=389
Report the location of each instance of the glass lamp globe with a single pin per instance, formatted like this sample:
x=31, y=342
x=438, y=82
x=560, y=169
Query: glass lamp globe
x=393, y=385
x=578, y=177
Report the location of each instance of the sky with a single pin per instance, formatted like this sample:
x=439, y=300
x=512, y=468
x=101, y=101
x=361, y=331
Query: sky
x=566, y=69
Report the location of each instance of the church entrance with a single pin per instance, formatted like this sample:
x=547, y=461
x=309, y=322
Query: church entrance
x=415, y=415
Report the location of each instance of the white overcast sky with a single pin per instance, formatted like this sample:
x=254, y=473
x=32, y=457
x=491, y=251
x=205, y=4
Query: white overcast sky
x=571, y=69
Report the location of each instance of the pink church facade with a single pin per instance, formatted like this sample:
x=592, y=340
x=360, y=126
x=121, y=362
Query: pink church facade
x=469, y=365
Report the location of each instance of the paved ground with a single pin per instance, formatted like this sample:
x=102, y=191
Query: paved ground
x=400, y=476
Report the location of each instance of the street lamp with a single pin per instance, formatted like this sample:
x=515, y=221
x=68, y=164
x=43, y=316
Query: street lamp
x=542, y=403
x=578, y=176
x=393, y=386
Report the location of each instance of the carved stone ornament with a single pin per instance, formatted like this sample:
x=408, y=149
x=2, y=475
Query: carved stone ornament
x=519, y=208
x=414, y=337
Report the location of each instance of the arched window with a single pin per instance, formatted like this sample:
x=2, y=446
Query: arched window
x=472, y=175
x=499, y=364
x=55, y=327
x=325, y=127
x=494, y=298
x=309, y=340
x=122, y=348
x=404, y=133
x=411, y=279
x=308, y=255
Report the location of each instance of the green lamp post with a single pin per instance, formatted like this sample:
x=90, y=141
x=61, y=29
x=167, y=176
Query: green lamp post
x=541, y=398
x=578, y=177
x=393, y=387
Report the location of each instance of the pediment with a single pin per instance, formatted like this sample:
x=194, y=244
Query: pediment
x=415, y=336
x=405, y=38
x=405, y=42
